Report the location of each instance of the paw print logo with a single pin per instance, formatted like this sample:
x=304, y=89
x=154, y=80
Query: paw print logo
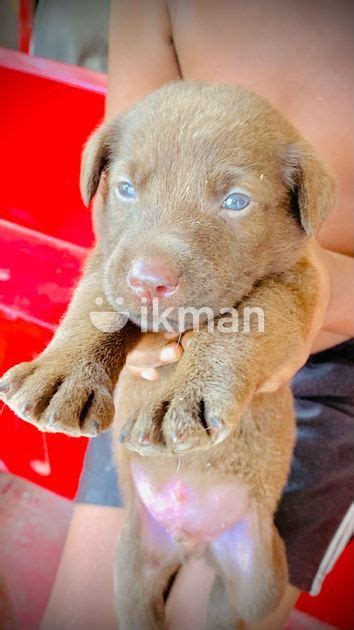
x=109, y=321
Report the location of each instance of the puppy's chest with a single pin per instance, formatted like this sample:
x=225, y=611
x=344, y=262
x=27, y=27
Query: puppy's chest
x=192, y=510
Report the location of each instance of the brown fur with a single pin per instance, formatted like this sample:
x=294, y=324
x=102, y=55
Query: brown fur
x=184, y=148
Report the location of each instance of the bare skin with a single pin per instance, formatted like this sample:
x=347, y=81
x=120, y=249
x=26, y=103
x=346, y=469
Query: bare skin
x=273, y=48
x=84, y=579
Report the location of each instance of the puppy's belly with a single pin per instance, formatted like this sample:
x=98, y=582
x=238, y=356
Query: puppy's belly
x=193, y=513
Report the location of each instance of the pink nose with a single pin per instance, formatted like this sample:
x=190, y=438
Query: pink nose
x=151, y=278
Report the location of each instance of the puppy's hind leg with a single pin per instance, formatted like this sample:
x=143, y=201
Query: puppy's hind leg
x=251, y=572
x=147, y=559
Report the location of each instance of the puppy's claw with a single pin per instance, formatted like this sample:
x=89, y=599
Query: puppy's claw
x=175, y=437
x=144, y=438
x=216, y=424
x=25, y=409
x=4, y=387
x=181, y=443
x=136, y=448
x=95, y=428
x=149, y=448
x=125, y=432
x=221, y=435
x=122, y=437
x=53, y=418
x=184, y=446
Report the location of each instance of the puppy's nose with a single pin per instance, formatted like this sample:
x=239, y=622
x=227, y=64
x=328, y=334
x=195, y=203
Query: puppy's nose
x=151, y=278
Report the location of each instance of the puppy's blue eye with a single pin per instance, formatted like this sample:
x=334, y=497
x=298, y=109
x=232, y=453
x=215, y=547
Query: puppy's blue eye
x=127, y=190
x=236, y=201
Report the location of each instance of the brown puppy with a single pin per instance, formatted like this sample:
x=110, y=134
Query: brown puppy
x=209, y=200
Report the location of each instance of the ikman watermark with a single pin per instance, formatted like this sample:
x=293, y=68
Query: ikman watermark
x=154, y=319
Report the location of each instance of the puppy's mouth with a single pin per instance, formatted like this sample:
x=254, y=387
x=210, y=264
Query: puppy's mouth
x=171, y=318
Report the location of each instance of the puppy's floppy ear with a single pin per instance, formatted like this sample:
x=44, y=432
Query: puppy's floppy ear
x=96, y=156
x=312, y=187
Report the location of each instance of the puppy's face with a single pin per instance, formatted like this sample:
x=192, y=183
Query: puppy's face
x=208, y=189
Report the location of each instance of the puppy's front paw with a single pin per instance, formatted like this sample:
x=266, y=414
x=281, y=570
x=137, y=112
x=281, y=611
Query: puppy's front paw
x=195, y=416
x=195, y=420
x=60, y=396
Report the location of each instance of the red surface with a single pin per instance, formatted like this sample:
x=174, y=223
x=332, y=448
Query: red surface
x=37, y=274
x=34, y=524
x=43, y=125
x=47, y=111
x=335, y=604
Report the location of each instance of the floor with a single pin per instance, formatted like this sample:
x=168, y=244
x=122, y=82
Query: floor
x=33, y=526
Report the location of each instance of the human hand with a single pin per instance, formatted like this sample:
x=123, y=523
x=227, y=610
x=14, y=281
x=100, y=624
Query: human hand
x=155, y=350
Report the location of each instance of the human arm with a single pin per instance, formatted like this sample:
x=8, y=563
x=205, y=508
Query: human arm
x=141, y=53
x=339, y=316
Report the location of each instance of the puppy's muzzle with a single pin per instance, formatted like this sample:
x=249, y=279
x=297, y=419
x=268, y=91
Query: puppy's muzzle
x=152, y=278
